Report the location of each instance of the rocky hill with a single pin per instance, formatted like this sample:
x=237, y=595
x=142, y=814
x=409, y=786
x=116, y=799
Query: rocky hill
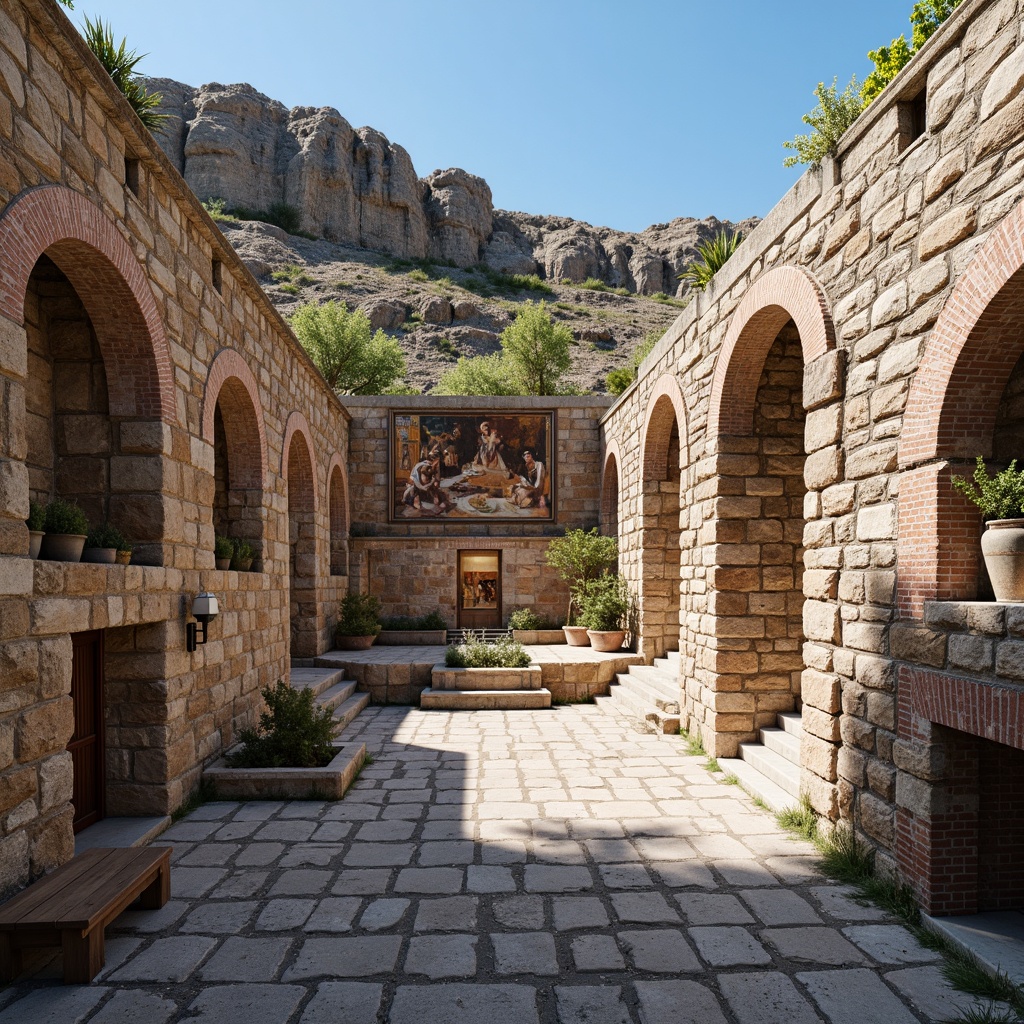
x=352, y=186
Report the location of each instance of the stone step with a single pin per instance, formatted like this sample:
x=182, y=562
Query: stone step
x=649, y=689
x=672, y=657
x=649, y=716
x=668, y=666
x=348, y=709
x=791, y=722
x=758, y=785
x=773, y=766
x=337, y=694
x=485, y=700
x=781, y=742
x=316, y=679
x=660, y=677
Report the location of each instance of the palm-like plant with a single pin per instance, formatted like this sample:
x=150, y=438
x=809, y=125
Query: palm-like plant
x=713, y=254
x=120, y=63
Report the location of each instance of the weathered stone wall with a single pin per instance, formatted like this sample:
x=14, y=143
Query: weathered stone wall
x=868, y=262
x=412, y=565
x=126, y=322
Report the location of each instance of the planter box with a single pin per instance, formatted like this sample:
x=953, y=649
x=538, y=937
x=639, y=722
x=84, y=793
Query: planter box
x=412, y=637
x=328, y=783
x=444, y=678
x=538, y=636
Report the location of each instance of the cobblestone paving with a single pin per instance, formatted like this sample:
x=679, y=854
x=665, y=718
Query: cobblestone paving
x=507, y=868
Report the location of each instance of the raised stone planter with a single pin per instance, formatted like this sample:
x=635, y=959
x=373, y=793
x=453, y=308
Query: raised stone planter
x=473, y=689
x=327, y=783
x=529, y=637
x=444, y=678
x=412, y=637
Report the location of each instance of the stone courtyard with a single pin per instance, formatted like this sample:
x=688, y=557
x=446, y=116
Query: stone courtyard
x=550, y=866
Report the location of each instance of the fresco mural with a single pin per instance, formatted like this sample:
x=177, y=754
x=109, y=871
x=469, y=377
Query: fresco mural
x=487, y=465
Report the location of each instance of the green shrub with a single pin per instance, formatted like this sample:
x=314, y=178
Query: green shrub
x=293, y=733
x=105, y=536
x=604, y=602
x=223, y=547
x=594, y=284
x=998, y=497
x=527, y=282
x=477, y=653
x=242, y=551
x=418, y=275
x=360, y=616
x=291, y=289
x=829, y=120
x=667, y=300
x=525, y=618
x=446, y=346
x=67, y=517
x=618, y=380
x=36, y=516
x=217, y=209
x=412, y=623
x=293, y=273
x=580, y=556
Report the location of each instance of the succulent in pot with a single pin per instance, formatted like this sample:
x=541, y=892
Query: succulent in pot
x=243, y=555
x=604, y=604
x=66, y=526
x=358, y=622
x=223, y=552
x=36, y=532
x=1001, y=501
x=102, y=544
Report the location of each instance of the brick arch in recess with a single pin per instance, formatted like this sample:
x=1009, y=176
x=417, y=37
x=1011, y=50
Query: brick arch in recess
x=609, y=514
x=781, y=295
x=665, y=409
x=297, y=432
x=231, y=384
x=338, y=514
x=951, y=415
x=111, y=283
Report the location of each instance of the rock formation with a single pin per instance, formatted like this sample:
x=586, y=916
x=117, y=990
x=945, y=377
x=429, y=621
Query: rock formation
x=352, y=186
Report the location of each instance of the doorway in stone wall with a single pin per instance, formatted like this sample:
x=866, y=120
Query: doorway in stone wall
x=86, y=745
x=479, y=590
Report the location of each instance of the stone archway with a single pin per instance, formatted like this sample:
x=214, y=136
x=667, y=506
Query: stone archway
x=338, y=514
x=609, y=512
x=299, y=472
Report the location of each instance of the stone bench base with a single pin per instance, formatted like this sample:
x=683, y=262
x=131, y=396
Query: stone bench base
x=484, y=700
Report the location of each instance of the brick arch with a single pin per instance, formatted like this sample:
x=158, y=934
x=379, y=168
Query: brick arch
x=111, y=283
x=971, y=351
x=781, y=295
x=338, y=514
x=610, y=489
x=665, y=407
x=231, y=383
x=297, y=432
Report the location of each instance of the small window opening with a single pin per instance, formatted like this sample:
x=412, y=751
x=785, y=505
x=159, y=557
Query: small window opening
x=913, y=119
x=218, y=275
x=131, y=175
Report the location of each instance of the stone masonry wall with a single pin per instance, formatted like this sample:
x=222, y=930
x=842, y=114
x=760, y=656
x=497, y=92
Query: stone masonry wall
x=862, y=255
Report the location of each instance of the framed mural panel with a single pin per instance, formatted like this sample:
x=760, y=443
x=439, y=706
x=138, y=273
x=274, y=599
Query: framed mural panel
x=485, y=466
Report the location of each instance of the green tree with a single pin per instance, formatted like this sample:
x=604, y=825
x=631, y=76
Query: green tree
x=353, y=360
x=713, y=254
x=832, y=116
x=927, y=16
x=578, y=557
x=536, y=350
x=479, y=375
x=69, y=4
x=618, y=380
x=120, y=63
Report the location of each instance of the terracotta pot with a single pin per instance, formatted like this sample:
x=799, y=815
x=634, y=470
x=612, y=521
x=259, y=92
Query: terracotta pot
x=1002, y=544
x=63, y=547
x=35, y=540
x=223, y=563
x=606, y=640
x=576, y=636
x=124, y=558
x=241, y=564
x=354, y=643
x=105, y=555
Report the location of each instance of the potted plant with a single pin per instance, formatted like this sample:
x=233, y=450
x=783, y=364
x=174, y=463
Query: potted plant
x=358, y=623
x=124, y=552
x=577, y=557
x=223, y=552
x=66, y=527
x=36, y=518
x=1001, y=500
x=604, y=604
x=102, y=544
x=243, y=555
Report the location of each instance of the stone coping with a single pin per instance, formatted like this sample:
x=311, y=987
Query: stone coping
x=328, y=783
x=533, y=637
x=443, y=677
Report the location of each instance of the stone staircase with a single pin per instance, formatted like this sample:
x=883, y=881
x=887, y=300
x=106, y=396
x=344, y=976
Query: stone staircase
x=771, y=769
x=649, y=694
x=331, y=690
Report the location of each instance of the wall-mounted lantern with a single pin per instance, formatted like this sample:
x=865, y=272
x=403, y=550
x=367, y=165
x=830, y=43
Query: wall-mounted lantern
x=204, y=608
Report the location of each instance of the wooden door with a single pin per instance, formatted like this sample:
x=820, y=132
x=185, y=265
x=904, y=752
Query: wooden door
x=86, y=745
x=479, y=596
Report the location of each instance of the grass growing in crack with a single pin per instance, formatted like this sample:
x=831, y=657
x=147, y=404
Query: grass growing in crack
x=801, y=821
x=984, y=1015
x=963, y=971
x=694, y=744
x=730, y=779
x=712, y=765
x=203, y=793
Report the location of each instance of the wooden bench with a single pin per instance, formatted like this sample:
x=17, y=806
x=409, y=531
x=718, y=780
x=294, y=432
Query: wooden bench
x=72, y=906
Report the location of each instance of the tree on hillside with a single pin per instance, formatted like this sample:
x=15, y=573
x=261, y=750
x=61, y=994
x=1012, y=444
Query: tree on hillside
x=535, y=353
x=352, y=359
x=120, y=63
x=832, y=116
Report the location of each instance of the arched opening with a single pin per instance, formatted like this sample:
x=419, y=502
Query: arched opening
x=302, y=545
x=233, y=423
x=337, y=496
x=609, y=517
x=660, y=538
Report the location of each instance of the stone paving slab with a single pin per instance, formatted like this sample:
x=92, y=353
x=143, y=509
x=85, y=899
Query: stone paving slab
x=499, y=868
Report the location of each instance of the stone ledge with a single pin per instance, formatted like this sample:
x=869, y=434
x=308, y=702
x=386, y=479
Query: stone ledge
x=485, y=679
x=329, y=782
x=485, y=700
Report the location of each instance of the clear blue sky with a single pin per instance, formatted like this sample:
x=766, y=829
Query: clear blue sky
x=621, y=114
